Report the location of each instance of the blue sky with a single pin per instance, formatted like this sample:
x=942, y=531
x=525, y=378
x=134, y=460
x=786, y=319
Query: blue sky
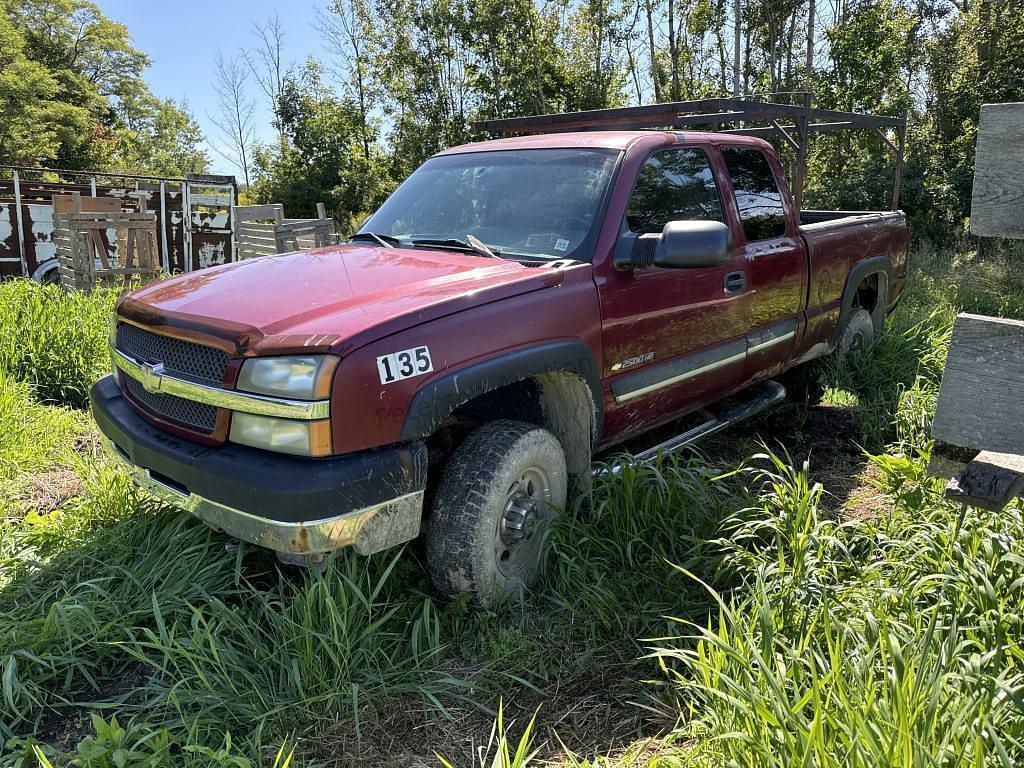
x=182, y=39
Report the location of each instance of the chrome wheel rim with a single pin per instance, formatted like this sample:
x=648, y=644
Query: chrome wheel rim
x=520, y=534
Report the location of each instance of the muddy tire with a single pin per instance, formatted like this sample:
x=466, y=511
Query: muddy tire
x=858, y=334
x=492, y=510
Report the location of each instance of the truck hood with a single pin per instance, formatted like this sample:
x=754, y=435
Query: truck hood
x=329, y=299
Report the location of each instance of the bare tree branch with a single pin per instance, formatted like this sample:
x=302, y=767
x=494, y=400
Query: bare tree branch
x=266, y=62
x=235, y=113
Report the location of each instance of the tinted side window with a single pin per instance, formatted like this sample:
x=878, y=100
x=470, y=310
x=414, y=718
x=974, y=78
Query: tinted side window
x=757, y=195
x=674, y=185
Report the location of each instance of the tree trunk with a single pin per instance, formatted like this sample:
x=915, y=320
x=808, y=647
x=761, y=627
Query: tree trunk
x=809, y=65
x=736, y=75
x=672, y=52
x=653, y=50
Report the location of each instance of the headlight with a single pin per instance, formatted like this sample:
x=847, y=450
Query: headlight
x=302, y=438
x=298, y=378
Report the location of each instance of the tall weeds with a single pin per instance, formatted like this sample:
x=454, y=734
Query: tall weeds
x=54, y=340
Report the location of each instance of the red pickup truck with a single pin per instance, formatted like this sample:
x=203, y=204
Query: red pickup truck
x=515, y=307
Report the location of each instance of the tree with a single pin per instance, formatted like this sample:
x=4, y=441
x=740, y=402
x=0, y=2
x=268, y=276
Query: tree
x=72, y=94
x=235, y=116
x=322, y=160
x=266, y=62
x=160, y=138
x=345, y=27
x=593, y=41
x=34, y=122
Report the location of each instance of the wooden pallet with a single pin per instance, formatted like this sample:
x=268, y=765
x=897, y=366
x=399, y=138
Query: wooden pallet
x=98, y=244
x=264, y=231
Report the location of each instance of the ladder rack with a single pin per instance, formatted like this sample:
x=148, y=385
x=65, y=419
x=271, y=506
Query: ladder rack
x=793, y=123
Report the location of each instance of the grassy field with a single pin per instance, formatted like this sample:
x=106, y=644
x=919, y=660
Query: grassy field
x=798, y=593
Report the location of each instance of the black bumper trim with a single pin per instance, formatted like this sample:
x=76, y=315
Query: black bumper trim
x=276, y=487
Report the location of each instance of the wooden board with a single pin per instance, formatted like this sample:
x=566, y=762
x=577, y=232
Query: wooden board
x=997, y=203
x=981, y=399
x=991, y=481
x=273, y=212
x=66, y=204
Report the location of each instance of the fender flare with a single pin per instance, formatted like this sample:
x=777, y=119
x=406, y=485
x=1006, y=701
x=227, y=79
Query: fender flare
x=876, y=265
x=437, y=399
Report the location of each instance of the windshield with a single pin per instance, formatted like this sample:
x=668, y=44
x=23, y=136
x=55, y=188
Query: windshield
x=533, y=202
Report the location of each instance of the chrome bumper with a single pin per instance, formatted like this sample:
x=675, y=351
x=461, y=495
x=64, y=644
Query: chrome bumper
x=366, y=530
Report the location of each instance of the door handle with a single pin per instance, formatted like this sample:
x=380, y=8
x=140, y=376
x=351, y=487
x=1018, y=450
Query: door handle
x=735, y=282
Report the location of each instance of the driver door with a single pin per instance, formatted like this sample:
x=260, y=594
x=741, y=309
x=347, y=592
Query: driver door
x=674, y=339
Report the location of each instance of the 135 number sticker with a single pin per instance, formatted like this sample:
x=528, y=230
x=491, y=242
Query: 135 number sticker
x=404, y=364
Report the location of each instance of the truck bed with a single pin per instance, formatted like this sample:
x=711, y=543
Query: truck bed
x=837, y=240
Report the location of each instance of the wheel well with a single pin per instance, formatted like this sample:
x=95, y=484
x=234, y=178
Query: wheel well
x=560, y=402
x=47, y=272
x=866, y=293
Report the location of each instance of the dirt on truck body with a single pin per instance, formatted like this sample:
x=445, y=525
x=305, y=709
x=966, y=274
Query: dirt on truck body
x=516, y=306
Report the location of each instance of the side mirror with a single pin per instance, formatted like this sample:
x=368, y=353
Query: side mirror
x=691, y=244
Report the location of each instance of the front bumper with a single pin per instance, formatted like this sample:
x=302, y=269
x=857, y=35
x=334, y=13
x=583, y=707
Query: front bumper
x=371, y=500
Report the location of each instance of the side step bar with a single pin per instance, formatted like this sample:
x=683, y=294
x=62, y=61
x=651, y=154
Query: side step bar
x=762, y=398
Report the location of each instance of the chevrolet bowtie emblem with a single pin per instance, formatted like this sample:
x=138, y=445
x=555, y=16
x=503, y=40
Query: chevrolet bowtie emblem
x=152, y=376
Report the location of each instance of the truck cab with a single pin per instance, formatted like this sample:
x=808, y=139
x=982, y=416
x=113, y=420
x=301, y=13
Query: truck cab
x=515, y=307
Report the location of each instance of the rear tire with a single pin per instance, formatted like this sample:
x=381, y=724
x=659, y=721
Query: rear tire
x=492, y=511
x=858, y=335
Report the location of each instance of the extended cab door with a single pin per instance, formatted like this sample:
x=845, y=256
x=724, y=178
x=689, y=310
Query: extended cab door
x=673, y=338
x=772, y=254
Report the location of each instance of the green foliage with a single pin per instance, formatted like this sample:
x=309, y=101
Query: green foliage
x=34, y=121
x=976, y=57
x=72, y=95
x=880, y=641
x=324, y=159
x=501, y=751
x=32, y=437
x=55, y=340
x=113, y=746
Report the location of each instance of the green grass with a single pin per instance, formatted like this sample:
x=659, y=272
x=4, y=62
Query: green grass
x=35, y=437
x=54, y=340
x=743, y=618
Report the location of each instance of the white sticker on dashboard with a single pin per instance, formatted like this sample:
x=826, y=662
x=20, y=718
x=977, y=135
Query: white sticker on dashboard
x=404, y=365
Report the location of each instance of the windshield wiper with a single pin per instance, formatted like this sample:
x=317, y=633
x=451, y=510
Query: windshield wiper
x=385, y=241
x=471, y=243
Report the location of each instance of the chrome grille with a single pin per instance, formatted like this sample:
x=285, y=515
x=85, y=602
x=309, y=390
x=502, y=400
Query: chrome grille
x=197, y=416
x=183, y=359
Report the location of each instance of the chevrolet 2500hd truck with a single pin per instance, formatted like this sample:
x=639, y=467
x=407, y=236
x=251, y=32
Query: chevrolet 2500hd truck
x=514, y=307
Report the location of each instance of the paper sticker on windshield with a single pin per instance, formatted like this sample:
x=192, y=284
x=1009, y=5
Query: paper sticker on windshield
x=561, y=244
x=404, y=364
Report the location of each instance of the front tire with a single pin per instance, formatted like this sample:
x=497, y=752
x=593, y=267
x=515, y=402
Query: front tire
x=491, y=514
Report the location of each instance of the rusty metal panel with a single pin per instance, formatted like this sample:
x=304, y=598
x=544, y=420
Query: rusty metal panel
x=210, y=224
x=10, y=253
x=194, y=216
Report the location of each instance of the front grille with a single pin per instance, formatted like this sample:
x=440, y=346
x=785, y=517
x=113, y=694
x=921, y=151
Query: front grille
x=182, y=359
x=196, y=416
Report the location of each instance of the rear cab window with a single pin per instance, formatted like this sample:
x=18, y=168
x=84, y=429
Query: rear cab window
x=675, y=184
x=758, y=199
